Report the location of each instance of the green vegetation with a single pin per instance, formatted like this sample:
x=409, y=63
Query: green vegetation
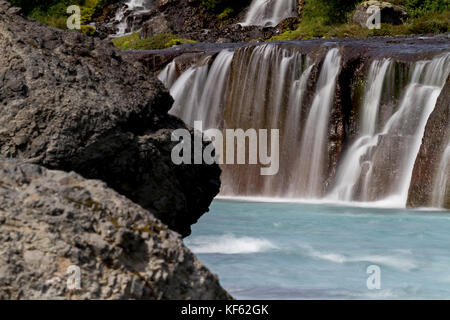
x=332, y=18
x=53, y=12
x=227, y=13
x=417, y=8
x=160, y=41
x=320, y=19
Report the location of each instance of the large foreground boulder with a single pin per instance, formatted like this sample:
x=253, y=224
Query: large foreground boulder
x=70, y=102
x=52, y=223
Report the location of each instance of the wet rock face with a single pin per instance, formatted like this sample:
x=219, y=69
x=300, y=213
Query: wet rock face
x=434, y=142
x=390, y=13
x=70, y=102
x=56, y=226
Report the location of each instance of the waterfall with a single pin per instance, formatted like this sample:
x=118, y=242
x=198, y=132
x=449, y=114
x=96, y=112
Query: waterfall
x=268, y=86
x=269, y=13
x=266, y=92
x=442, y=183
x=199, y=92
x=351, y=167
x=378, y=165
x=133, y=6
x=310, y=174
x=377, y=74
x=392, y=160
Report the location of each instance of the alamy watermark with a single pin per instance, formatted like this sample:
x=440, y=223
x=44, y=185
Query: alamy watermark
x=74, y=21
x=374, y=280
x=374, y=19
x=236, y=151
x=73, y=280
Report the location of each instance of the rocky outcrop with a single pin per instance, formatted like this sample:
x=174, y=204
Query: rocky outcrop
x=155, y=26
x=70, y=102
x=192, y=20
x=187, y=19
x=435, y=141
x=65, y=237
x=390, y=13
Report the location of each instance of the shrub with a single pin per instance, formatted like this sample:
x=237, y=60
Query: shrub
x=89, y=30
x=417, y=8
x=53, y=12
x=227, y=13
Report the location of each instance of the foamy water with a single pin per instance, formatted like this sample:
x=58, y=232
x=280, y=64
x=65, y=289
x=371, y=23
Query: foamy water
x=229, y=244
x=263, y=250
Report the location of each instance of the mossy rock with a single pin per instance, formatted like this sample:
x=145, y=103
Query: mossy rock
x=88, y=30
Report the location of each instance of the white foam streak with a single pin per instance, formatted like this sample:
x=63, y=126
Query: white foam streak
x=404, y=263
x=228, y=244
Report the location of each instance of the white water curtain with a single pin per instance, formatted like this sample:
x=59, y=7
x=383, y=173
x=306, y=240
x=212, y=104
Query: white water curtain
x=269, y=13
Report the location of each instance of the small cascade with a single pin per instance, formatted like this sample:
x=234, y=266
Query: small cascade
x=169, y=74
x=311, y=167
x=391, y=162
x=269, y=13
x=268, y=84
x=442, y=182
x=200, y=91
x=351, y=166
x=131, y=8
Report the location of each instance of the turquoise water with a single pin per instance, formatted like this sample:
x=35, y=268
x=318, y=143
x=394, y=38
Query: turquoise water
x=307, y=251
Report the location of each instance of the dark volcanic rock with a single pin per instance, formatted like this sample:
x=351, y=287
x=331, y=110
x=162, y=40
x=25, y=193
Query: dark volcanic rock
x=185, y=18
x=71, y=102
x=154, y=26
x=52, y=223
x=434, y=142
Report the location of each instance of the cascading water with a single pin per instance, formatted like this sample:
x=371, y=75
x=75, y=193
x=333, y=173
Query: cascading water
x=351, y=167
x=310, y=174
x=263, y=81
x=134, y=7
x=266, y=87
x=378, y=167
x=199, y=91
x=247, y=89
x=269, y=13
x=392, y=159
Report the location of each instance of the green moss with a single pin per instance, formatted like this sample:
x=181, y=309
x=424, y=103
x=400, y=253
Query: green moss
x=89, y=30
x=176, y=41
x=161, y=41
x=226, y=14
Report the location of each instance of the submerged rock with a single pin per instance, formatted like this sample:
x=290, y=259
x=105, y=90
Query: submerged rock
x=70, y=102
x=65, y=237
